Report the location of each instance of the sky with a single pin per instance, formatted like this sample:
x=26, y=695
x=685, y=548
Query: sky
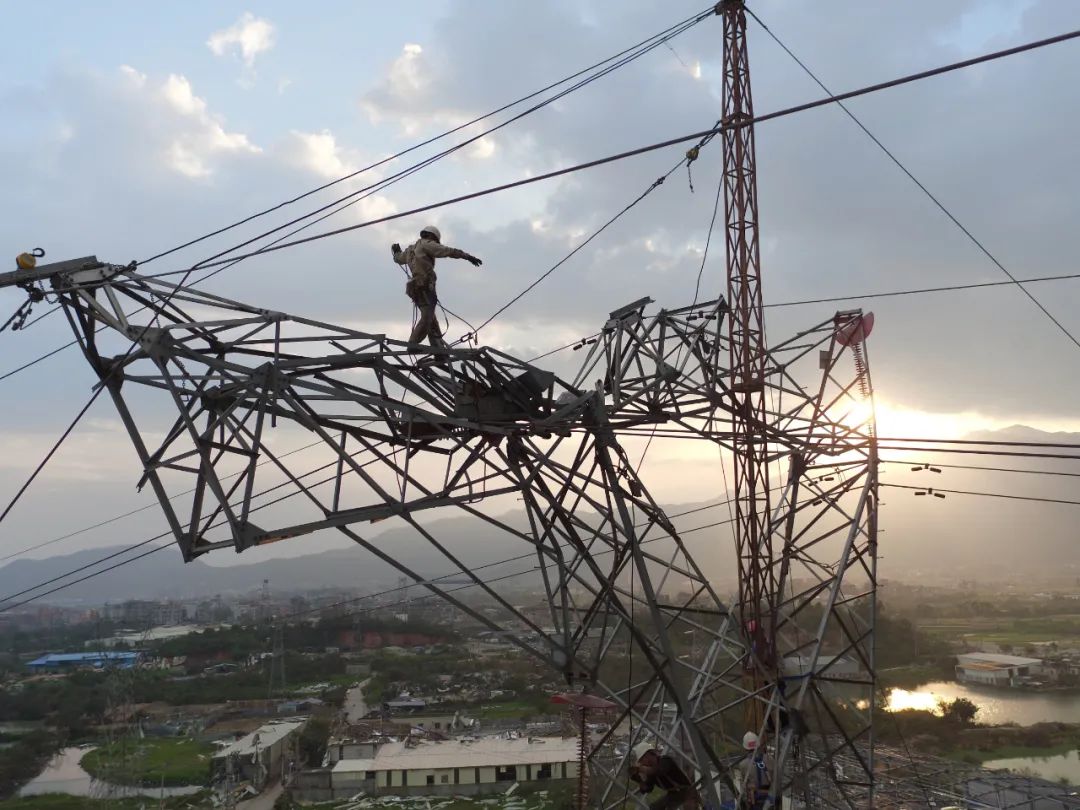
x=131, y=128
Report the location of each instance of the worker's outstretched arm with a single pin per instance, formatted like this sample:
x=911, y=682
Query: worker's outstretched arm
x=401, y=256
x=446, y=252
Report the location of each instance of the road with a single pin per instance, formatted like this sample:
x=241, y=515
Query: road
x=355, y=707
x=264, y=801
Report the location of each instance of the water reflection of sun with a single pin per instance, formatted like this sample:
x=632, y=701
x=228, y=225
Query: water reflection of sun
x=902, y=700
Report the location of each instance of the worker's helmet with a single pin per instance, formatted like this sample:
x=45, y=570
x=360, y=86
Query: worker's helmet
x=433, y=232
x=641, y=749
x=750, y=741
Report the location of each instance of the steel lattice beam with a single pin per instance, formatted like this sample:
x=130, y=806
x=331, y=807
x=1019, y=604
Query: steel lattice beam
x=463, y=428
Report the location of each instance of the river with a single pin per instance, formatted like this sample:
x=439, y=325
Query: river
x=996, y=706
x=64, y=774
x=1062, y=767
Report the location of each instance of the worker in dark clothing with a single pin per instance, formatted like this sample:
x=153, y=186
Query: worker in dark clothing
x=652, y=770
x=420, y=256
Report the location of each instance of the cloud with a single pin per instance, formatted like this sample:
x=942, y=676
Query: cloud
x=246, y=38
x=836, y=217
x=192, y=150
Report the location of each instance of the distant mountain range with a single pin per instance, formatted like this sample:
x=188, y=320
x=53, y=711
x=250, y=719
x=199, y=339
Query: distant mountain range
x=923, y=538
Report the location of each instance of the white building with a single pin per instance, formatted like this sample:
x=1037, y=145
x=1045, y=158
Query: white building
x=994, y=669
x=259, y=756
x=457, y=767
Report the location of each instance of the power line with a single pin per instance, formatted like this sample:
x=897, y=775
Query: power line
x=986, y=494
x=977, y=467
x=153, y=505
x=51, y=453
x=924, y=290
x=149, y=540
x=940, y=205
x=4, y=600
x=780, y=113
x=37, y=360
x=665, y=35
x=969, y=451
x=787, y=111
x=655, y=185
x=805, y=302
x=988, y=443
x=708, y=239
x=369, y=190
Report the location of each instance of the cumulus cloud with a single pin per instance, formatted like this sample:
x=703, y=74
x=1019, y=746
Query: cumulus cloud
x=410, y=93
x=193, y=149
x=836, y=217
x=246, y=38
x=318, y=152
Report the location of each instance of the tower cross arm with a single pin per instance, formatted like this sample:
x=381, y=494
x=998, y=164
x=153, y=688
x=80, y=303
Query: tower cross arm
x=45, y=271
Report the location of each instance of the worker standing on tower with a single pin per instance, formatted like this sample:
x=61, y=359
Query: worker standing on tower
x=757, y=780
x=420, y=256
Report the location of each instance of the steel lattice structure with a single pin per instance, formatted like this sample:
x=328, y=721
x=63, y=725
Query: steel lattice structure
x=467, y=429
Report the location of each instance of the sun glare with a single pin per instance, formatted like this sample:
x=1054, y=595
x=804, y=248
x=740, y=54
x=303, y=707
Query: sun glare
x=896, y=421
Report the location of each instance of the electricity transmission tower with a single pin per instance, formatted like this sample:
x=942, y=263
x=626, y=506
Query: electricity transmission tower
x=475, y=429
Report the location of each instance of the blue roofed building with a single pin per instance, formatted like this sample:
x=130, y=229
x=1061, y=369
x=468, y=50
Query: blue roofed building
x=59, y=662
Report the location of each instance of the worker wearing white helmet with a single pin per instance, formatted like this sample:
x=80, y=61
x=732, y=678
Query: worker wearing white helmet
x=652, y=770
x=420, y=256
x=755, y=781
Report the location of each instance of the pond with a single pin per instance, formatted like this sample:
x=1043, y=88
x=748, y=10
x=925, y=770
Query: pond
x=996, y=706
x=1062, y=767
x=64, y=774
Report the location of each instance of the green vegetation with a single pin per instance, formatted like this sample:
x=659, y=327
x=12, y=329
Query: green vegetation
x=62, y=801
x=247, y=684
x=72, y=704
x=21, y=762
x=313, y=739
x=146, y=762
x=1011, y=632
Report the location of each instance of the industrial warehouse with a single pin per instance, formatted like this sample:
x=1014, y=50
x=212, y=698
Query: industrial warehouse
x=457, y=767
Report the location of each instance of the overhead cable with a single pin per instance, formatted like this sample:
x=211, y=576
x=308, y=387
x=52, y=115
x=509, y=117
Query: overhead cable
x=6, y=605
x=986, y=494
x=940, y=205
x=152, y=505
x=787, y=111
x=660, y=38
x=973, y=467
x=354, y=197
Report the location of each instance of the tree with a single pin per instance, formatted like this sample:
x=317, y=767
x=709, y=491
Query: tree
x=313, y=740
x=961, y=711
